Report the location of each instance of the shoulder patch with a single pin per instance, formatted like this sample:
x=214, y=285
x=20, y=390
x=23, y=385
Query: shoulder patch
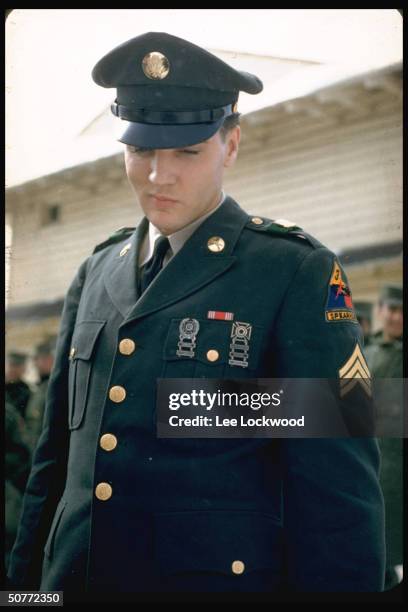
x=121, y=234
x=281, y=227
x=339, y=304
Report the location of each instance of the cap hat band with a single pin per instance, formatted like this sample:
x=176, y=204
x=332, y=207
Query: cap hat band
x=171, y=117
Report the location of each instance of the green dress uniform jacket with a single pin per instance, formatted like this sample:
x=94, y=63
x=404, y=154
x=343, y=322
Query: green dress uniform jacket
x=114, y=508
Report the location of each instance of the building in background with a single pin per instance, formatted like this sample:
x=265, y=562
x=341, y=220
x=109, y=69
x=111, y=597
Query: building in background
x=330, y=160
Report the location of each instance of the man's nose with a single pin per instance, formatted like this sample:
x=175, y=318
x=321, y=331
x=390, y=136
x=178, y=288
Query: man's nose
x=162, y=169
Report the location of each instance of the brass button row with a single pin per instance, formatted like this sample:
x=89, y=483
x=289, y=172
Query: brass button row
x=117, y=393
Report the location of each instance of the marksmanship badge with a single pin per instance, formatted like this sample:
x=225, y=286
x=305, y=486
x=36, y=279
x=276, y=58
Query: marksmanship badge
x=239, y=347
x=188, y=329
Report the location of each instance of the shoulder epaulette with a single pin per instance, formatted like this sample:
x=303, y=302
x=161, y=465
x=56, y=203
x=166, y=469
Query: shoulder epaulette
x=281, y=227
x=121, y=234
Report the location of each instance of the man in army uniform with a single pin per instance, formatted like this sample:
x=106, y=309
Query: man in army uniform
x=112, y=506
x=43, y=360
x=17, y=391
x=384, y=356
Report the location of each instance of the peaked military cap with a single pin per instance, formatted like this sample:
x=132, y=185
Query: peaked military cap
x=172, y=92
x=391, y=295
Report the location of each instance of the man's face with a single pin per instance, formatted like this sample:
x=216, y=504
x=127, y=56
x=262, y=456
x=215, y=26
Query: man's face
x=177, y=186
x=392, y=320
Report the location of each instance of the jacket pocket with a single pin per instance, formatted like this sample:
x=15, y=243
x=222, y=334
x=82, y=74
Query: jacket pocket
x=231, y=543
x=211, y=355
x=49, y=546
x=83, y=343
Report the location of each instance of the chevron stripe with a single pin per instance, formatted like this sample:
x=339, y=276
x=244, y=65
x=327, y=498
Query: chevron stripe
x=357, y=368
x=355, y=372
x=351, y=383
x=356, y=357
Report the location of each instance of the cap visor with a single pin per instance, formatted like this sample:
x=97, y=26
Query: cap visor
x=154, y=136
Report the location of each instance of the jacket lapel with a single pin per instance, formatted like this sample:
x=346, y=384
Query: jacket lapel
x=194, y=265
x=121, y=273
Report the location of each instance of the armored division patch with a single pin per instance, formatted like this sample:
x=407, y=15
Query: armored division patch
x=355, y=371
x=339, y=305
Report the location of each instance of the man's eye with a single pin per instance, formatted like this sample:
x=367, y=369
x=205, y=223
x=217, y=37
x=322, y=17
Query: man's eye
x=190, y=152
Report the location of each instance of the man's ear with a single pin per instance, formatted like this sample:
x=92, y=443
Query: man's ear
x=232, y=145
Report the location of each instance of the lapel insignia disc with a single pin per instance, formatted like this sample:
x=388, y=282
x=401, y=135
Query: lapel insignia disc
x=216, y=244
x=188, y=329
x=239, y=347
x=355, y=371
x=339, y=305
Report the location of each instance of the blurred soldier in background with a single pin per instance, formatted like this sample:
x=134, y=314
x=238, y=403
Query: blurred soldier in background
x=18, y=463
x=17, y=391
x=384, y=357
x=364, y=314
x=43, y=360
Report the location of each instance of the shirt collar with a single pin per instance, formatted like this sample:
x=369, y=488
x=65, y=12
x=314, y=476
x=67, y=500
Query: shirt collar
x=176, y=240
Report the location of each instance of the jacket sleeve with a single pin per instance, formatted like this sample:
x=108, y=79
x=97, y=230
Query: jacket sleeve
x=333, y=504
x=48, y=470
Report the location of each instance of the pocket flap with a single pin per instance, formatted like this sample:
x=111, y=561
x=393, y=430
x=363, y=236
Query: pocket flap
x=221, y=541
x=84, y=338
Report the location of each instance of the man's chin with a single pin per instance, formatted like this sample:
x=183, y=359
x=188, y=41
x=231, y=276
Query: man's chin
x=164, y=222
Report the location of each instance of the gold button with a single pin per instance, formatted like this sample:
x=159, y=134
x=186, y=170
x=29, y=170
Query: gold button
x=212, y=355
x=257, y=220
x=125, y=250
x=216, y=244
x=238, y=567
x=103, y=491
x=117, y=394
x=72, y=352
x=108, y=442
x=126, y=346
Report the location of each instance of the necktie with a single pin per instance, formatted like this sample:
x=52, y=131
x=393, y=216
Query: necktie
x=153, y=266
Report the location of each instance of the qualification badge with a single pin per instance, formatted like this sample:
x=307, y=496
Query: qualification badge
x=239, y=347
x=188, y=329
